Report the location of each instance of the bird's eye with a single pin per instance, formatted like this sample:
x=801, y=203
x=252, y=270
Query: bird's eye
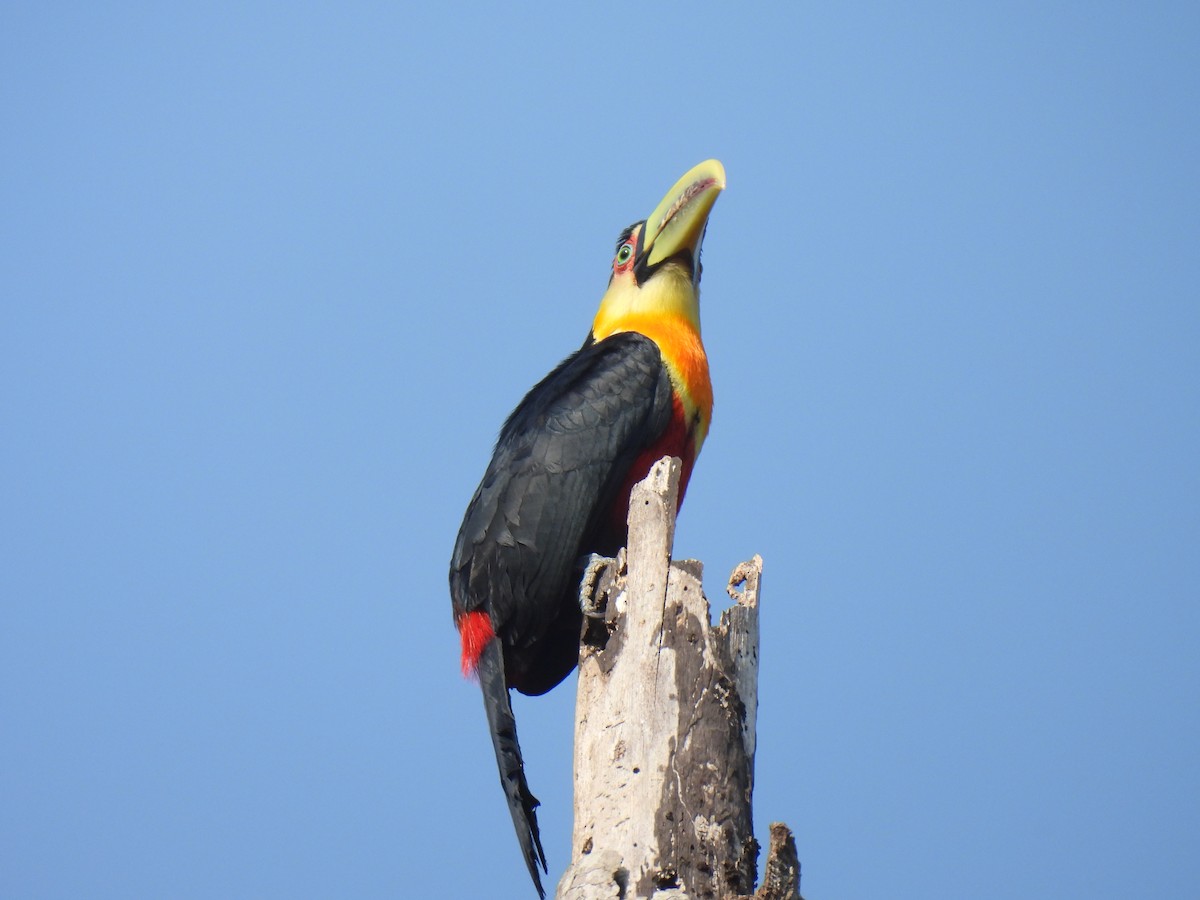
x=624, y=254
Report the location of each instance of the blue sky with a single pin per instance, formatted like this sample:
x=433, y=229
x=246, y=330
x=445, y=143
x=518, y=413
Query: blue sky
x=272, y=276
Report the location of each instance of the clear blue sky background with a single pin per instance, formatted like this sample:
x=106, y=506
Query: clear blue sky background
x=272, y=276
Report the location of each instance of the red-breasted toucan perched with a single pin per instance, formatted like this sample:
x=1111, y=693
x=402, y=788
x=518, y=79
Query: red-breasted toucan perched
x=557, y=488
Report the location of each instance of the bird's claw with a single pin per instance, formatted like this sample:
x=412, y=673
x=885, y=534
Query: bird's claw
x=595, y=586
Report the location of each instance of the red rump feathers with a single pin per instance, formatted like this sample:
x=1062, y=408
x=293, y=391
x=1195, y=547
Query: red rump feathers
x=475, y=628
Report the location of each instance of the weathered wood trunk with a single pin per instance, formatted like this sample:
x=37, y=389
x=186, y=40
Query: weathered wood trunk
x=665, y=729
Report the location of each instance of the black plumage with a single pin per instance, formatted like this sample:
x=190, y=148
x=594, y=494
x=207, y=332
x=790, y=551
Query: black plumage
x=547, y=496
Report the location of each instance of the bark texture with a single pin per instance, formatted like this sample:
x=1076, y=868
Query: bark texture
x=665, y=727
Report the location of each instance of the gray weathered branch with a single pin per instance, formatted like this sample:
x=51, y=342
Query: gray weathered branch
x=665, y=729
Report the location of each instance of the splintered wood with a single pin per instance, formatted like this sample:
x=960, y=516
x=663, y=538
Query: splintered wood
x=665, y=725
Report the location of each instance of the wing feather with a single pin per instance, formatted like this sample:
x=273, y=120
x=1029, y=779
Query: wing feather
x=543, y=502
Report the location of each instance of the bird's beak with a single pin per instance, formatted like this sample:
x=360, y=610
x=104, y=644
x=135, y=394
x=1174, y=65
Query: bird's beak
x=678, y=222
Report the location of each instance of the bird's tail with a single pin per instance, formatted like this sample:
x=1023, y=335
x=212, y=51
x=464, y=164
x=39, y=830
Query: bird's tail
x=521, y=802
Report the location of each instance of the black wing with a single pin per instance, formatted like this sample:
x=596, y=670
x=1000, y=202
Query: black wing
x=560, y=459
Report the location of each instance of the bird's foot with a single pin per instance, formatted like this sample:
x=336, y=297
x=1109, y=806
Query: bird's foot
x=596, y=585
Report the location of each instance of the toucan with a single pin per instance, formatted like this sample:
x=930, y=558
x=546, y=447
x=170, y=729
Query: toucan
x=557, y=488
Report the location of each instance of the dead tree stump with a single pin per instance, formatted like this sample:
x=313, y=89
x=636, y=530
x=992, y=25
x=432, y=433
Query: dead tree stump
x=665, y=729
